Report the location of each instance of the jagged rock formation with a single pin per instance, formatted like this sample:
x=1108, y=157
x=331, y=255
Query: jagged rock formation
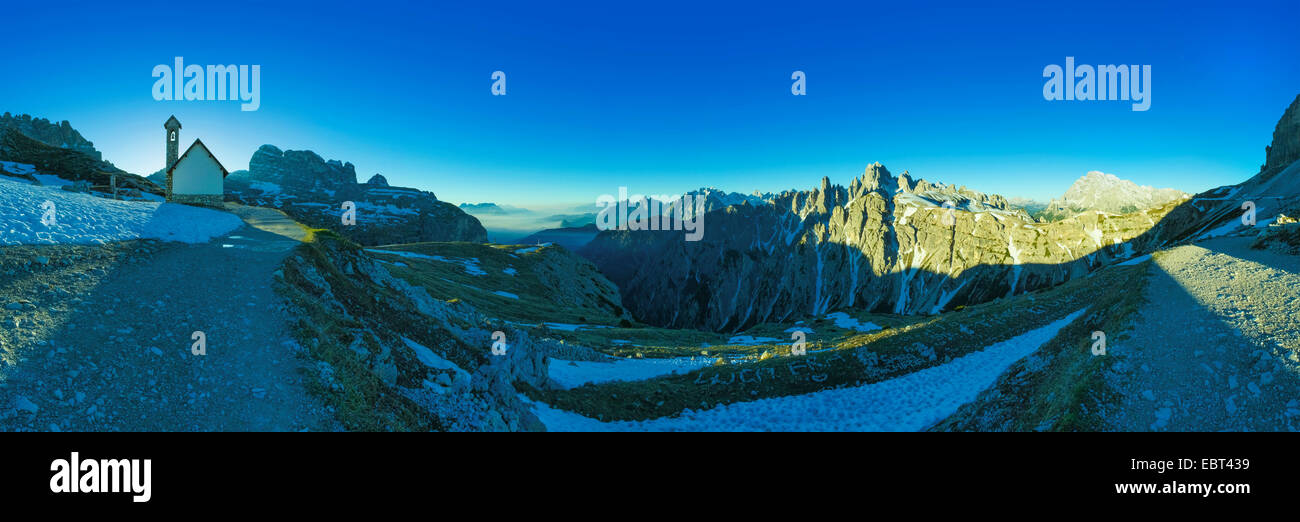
x=1285, y=148
x=313, y=190
x=60, y=135
x=880, y=246
x=884, y=244
x=1107, y=193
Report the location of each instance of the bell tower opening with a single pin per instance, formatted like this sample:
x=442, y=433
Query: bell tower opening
x=173, y=128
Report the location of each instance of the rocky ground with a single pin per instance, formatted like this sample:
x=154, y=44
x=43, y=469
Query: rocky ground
x=101, y=338
x=1217, y=345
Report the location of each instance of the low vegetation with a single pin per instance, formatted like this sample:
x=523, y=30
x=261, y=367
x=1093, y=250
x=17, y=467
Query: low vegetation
x=836, y=358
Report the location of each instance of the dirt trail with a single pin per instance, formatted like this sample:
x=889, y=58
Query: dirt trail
x=121, y=359
x=1216, y=346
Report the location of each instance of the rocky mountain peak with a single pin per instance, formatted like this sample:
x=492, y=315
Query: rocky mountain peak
x=877, y=178
x=1285, y=148
x=300, y=170
x=310, y=189
x=1097, y=190
x=60, y=134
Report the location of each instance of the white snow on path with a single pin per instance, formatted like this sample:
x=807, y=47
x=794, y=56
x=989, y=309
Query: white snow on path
x=908, y=403
x=85, y=219
x=571, y=374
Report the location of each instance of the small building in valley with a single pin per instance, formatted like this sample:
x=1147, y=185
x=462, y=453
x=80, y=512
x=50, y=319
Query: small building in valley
x=196, y=177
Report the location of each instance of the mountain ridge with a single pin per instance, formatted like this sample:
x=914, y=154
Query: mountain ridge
x=1104, y=192
x=312, y=190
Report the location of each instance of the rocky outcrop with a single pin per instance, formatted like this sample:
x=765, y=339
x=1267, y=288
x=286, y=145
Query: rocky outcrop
x=313, y=191
x=1098, y=191
x=300, y=171
x=1285, y=148
x=389, y=356
x=1274, y=192
x=69, y=164
x=60, y=135
x=883, y=244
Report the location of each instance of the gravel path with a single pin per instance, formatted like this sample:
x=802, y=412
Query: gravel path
x=1216, y=346
x=116, y=354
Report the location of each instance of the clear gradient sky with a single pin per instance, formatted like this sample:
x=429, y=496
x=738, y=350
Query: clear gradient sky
x=667, y=97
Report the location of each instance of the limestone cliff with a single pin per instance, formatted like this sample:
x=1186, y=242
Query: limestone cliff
x=884, y=243
x=313, y=190
x=1285, y=148
x=60, y=135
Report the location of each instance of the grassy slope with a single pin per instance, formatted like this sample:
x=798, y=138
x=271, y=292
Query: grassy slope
x=582, y=301
x=838, y=357
x=548, y=295
x=1060, y=387
x=853, y=359
x=360, y=397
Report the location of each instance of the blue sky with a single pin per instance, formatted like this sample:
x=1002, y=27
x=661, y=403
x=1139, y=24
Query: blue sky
x=667, y=97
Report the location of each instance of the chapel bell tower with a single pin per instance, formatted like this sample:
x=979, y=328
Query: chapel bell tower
x=173, y=127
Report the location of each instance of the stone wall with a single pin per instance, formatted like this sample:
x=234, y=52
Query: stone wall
x=199, y=200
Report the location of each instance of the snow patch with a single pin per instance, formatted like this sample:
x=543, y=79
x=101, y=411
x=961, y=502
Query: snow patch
x=86, y=219
x=843, y=320
x=908, y=403
x=1136, y=261
x=571, y=374
x=469, y=264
